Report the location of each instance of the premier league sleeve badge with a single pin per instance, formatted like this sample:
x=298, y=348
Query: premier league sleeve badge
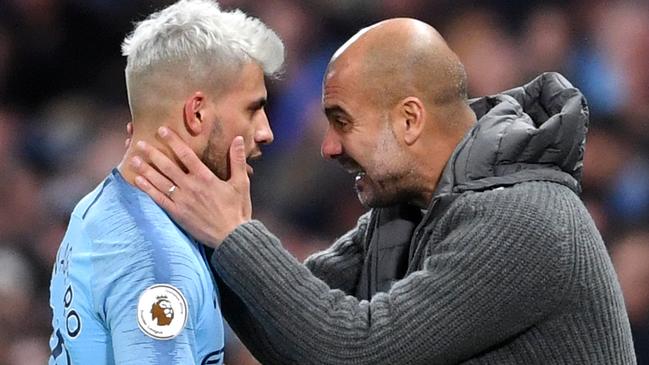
x=162, y=311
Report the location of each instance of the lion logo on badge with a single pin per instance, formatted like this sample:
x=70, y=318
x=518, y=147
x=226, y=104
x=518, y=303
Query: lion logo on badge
x=162, y=311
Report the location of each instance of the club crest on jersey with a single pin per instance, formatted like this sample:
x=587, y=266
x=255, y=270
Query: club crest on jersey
x=162, y=311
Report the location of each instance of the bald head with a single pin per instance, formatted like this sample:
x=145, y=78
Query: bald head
x=395, y=99
x=402, y=57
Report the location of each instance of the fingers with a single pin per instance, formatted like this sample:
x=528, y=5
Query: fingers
x=239, y=174
x=185, y=154
x=154, y=184
x=163, y=163
x=238, y=166
x=160, y=198
x=129, y=134
x=154, y=177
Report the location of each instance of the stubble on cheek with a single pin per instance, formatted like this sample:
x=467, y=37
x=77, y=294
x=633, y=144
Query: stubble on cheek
x=215, y=155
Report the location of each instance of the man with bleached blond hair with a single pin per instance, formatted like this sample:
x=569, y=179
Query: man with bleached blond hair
x=129, y=285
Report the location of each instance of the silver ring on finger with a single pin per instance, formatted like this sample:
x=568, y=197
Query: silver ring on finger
x=171, y=190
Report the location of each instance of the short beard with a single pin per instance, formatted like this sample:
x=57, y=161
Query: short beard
x=393, y=195
x=212, y=158
x=392, y=186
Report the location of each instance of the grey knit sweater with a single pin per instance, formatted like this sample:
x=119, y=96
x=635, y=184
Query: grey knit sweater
x=506, y=267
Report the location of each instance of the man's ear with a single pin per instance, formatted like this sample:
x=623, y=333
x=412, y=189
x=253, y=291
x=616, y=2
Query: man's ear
x=193, y=111
x=411, y=118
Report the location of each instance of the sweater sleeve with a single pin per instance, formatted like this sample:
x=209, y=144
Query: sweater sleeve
x=339, y=266
x=501, y=265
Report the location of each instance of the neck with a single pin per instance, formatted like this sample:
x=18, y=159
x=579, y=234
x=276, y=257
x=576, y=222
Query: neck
x=126, y=168
x=427, y=183
x=432, y=159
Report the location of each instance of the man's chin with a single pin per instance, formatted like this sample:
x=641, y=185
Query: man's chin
x=369, y=199
x=366, y=199
x=366, y=194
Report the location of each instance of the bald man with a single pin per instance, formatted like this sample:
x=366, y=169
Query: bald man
x=476, y=248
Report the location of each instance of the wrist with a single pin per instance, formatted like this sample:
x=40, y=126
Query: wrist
x=216, y=239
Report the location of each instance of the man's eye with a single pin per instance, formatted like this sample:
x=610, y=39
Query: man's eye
x=339, y=123
x=255, y=110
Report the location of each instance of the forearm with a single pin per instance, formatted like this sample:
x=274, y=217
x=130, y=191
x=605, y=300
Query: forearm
x=310, y=323
x=456, y=307
x=338, y=266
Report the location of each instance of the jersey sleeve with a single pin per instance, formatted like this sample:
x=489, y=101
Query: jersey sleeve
x=149, y=298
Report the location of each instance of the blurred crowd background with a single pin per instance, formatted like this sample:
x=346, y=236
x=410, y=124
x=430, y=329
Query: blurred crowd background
x=63, y=115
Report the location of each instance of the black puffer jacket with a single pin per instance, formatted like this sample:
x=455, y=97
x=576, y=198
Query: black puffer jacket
x=524, y=134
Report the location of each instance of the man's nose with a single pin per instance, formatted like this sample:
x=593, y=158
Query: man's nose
x=263, y=134
x=331, y=147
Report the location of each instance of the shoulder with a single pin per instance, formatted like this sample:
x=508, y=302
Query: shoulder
x=536, y=201
x=532, y=219
x=527, y=229
x=118, y=217
x=127, y=236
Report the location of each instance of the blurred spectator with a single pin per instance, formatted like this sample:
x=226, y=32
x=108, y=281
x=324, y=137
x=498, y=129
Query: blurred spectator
x=630, y=255
x=9, y=126
x=21, y=210
x=546, y=41
x=606, y=153
x=28, y=351
x=489, y=54
x=16, y=290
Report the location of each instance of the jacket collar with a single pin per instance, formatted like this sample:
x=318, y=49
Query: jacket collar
x=536, y=132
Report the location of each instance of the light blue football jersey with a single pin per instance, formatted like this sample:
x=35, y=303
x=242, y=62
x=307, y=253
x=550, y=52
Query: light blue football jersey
x=131, y=287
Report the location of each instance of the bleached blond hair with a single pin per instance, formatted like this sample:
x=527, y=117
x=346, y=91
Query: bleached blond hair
x=194, y=39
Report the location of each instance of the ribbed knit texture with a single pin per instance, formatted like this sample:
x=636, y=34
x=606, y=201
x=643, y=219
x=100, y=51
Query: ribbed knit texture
x=517, y=275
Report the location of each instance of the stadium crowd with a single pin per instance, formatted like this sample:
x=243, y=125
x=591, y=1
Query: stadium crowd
x=63, y=115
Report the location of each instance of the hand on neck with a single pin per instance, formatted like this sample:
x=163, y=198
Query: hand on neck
x=126, y=167
x=134, y=152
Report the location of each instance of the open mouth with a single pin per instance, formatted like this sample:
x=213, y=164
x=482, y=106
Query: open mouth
x=352, y=168
x=355, y=171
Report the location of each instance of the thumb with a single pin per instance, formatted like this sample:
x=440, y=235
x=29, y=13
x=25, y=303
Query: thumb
x=238, y=168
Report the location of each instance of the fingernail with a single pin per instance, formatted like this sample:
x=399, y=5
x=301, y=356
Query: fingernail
x=141, y=145
x=136, y=161
x=163, y=131
x=238, y=140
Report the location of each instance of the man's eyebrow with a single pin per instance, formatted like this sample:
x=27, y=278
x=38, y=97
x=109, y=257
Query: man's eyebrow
x=258, y=104
x=336, y=110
